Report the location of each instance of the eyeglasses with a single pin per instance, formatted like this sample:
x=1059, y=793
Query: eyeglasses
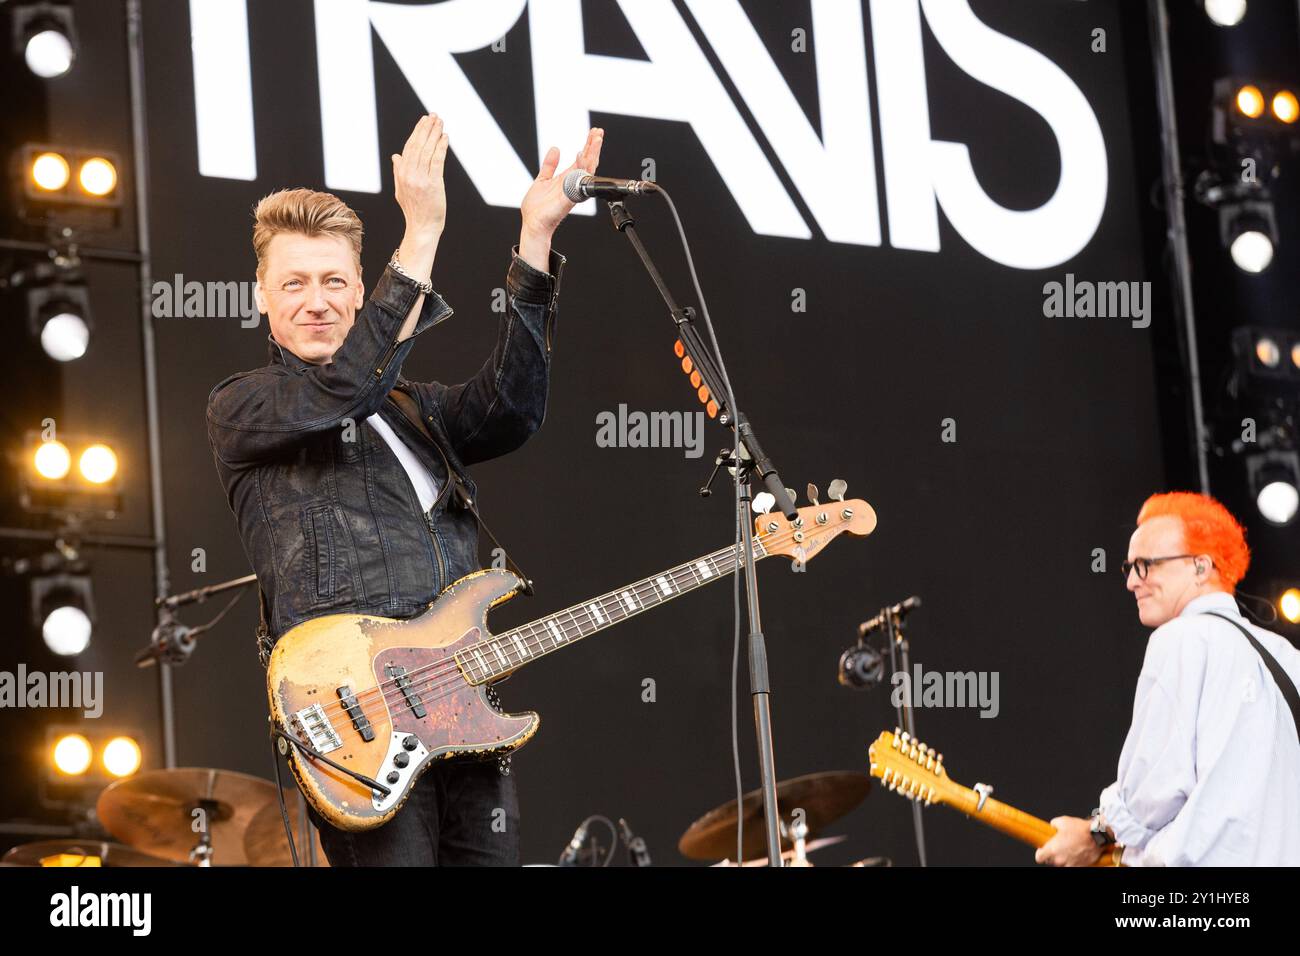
x=1143, y=565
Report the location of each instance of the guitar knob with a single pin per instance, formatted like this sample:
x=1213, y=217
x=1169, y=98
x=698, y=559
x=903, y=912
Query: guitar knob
x=409, y=742
x=836, y=490
x=401, y=758
x=394, y=776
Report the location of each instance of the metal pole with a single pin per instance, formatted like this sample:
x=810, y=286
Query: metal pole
x=140, y=150
x=1177, y=229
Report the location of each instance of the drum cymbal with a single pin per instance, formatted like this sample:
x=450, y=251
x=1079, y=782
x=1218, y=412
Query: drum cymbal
x=823, y=798
x=156, y=811
x=80, y=853
x=265, y=843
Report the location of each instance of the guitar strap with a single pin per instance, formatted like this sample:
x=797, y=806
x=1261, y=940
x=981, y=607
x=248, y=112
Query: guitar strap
x=411, y=412
x=1284, y=682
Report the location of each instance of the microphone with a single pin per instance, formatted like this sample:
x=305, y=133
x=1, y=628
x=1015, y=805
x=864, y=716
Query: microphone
x=570, y=855
x=898, y=611
x=580, y=184
x=861, y=667
x=637, y=854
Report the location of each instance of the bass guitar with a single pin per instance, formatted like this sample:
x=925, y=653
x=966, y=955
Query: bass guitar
x=369, y=702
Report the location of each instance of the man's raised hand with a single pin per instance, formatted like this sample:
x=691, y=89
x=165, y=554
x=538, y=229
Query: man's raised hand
x=418, y=179
x=545, y=204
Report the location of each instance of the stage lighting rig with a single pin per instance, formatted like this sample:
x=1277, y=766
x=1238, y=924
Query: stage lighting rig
x=63, y=610
x=71, y=477
x=1268, y=360
x=66, y=186
x=45, y=36
x=1247, y=221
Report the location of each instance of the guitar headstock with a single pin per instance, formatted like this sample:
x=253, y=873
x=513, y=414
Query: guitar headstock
x=815, y=527
x=909, y=767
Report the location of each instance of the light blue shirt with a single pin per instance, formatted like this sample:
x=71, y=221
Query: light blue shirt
x=1210, y=770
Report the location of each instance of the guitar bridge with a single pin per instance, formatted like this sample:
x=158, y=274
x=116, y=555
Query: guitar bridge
x=318, y=729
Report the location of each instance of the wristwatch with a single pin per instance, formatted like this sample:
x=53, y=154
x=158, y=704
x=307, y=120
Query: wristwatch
x=1098, y=829
x=426, y=286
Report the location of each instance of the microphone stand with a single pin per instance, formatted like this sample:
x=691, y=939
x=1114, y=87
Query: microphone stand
x=892, y=619
x=749, y=458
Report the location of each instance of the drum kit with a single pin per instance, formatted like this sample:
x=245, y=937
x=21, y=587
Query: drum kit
x=185, y=817
x=206, y=817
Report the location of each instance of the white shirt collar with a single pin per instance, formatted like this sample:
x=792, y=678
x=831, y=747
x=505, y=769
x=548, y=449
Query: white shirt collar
x=1214, y=601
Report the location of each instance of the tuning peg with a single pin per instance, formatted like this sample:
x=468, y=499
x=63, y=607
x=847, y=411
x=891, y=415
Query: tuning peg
x=813, y=493
x=836, y=490
x=794, y=499
x=763, y=502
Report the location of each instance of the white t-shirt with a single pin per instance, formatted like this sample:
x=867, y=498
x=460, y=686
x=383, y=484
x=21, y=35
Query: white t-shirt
x=1210, y=771
x=426, y=488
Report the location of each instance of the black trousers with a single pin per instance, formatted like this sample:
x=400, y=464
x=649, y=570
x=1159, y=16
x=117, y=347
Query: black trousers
x=461, y=812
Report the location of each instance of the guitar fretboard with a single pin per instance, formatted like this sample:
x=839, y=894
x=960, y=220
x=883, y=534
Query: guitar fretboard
x=498, y=655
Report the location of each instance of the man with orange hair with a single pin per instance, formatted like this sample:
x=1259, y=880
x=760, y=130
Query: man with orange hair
x=1210, y=770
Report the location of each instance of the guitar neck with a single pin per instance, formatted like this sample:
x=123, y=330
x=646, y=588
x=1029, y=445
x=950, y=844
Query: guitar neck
x=1000, y=816
x=500, y=654
x=1016, y=823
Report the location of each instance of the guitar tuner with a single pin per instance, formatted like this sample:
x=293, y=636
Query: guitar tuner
x=813, y=494
x=837, y=489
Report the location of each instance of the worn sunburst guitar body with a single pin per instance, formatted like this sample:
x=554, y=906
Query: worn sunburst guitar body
x=912, y=769
x=384, y=698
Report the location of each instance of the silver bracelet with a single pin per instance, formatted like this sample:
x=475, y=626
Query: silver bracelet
x=426, y=286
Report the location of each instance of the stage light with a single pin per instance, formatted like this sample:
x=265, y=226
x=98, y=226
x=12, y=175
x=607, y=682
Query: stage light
x=1266, y=358
x=1250, y=101
x=98, y=176
x=1225, y=13
x=49, y=485
x=65, y=336
x=1285, y=107
x=121, y=757
x=71, y=755
x=1289, y=605
x=98, y=464
x=53, y=195
x=45, y=34
x=63, y=608
x=1252, y=251
x=50, y=171
x=1249, y=229
x=52, y=460
x=1267, y=352
x=1274, y=478
x=58, y=313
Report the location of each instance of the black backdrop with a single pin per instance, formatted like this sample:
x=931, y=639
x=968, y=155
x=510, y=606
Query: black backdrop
x=1057, y=432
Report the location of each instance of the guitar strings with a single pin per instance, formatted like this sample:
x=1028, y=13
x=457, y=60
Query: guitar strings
x=450, y=667
x=536, y=640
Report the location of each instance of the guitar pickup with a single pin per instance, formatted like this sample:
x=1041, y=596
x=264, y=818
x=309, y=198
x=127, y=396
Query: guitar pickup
x=399, y=675
x=359, y=719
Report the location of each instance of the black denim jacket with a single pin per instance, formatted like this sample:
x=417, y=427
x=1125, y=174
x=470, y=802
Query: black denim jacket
x=327, y=515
